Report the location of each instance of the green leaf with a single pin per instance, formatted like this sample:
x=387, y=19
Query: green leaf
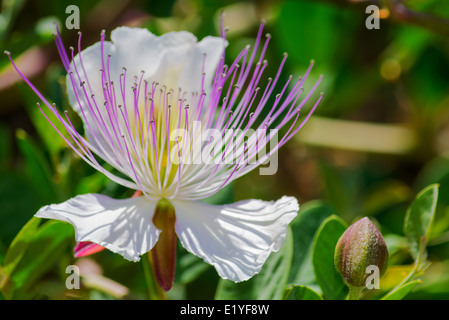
x=269, y=284
x=224, y=196
x=419, y=217
x=323, y=44
x=9, y=12
x=302, y=293
x=53, y=141
x=37, y=168
x=19, y=245
x=402, y=291
x=18, y=202
x=326, y=274
x=5, y=146
x=189, y=267
x=304, y=228
x=35, y=250
x=45, y=27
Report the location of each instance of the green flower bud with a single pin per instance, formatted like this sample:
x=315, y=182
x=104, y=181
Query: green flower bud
x=360, y=246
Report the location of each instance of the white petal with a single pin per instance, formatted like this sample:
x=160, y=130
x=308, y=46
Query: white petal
x=174, y=59
x=122, y=226
x=182, y=63
x=236, y=239
x=136, y=49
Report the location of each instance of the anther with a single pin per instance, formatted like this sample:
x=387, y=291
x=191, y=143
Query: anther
x=7, y=52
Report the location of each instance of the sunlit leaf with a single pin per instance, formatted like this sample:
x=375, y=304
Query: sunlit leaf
x=393, y=276
x=401, y=292
x=18, y=248
x=419, y=217
x=50, y=137
x=34, y=252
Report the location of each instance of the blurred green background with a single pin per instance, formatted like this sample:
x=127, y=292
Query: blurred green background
x=380, y=135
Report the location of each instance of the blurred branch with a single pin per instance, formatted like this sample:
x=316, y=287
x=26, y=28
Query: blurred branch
x=358, y=136
x=402, y=14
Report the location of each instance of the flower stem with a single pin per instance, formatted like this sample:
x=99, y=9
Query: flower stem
x=420, y=260
x=155, y=292
x=354, y=293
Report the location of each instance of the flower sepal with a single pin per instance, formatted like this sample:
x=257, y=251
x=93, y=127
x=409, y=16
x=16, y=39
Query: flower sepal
x=164, y=252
